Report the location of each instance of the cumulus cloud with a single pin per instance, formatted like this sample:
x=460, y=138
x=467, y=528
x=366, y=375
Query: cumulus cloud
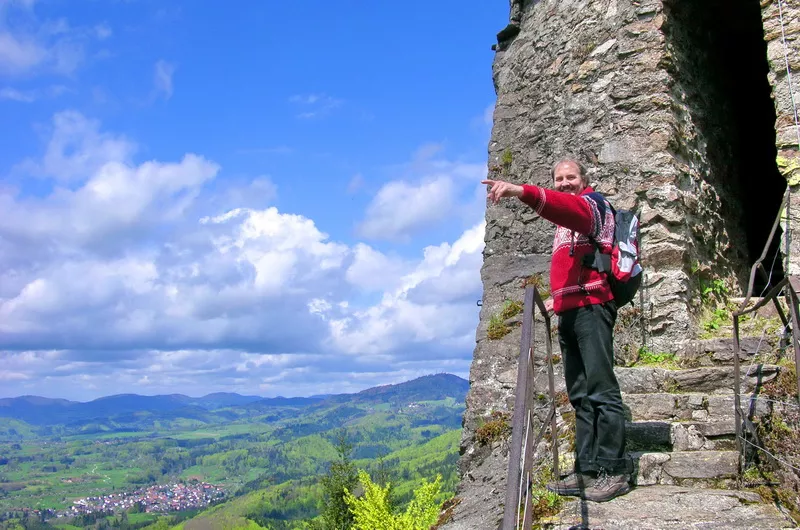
x=77, y=148
x=430, y=189
x=371, y=270
x=411, y=314
x=400, y=209
x=126, y=276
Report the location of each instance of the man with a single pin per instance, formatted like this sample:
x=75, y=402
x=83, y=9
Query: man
x=582, y=299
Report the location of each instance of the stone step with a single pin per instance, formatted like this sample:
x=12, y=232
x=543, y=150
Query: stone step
x=717, y=380
x=678, y=407
x=720, y=351
x=681, y=436
x=672, y=508
x=685, y=468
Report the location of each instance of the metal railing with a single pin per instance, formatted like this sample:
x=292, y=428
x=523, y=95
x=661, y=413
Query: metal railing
x=791, y=286
x=518, y=506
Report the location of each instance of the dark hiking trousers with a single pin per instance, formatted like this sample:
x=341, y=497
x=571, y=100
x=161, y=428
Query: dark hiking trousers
x=586, y=338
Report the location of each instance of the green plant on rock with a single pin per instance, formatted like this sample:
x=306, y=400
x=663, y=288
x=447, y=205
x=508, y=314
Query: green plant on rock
x=497, y=323
x=497, y=428
x=511, y=309
x=778, y=431
x=661, y=359
x=502, y=169
x=507, y=158
x=497, y=328
x=782, y=497
x=714, y=321
x=713, y=289
x=544, y=504
x=538, y=281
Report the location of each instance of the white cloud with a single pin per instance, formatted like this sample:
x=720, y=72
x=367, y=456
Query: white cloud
x=401, y=209
x=401, y=321
x=17, y=95
x=317, y=105
x=355, y=184
x=426, y=152
x=163, y=78
x=372, y=270
x=36, y=47
x=77, y=148
x=19, y=54
x=29, y=96
x=103, y=31
x=128, y=274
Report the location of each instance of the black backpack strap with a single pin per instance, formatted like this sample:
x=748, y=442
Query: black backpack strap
x=599, y=261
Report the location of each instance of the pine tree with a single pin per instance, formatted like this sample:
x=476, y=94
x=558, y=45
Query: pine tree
x=342, y=476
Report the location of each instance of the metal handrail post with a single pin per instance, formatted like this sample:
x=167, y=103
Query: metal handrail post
x=511, y=509
x=737, y=389
x=794, y=285
x=550, y=380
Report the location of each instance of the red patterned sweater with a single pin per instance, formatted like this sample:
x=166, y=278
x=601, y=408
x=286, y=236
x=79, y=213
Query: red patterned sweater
x=572, y=284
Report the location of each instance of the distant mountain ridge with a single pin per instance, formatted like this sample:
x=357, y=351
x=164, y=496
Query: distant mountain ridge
x=125, y=408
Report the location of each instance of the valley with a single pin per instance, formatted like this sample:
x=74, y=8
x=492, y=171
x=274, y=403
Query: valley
x=57, y=454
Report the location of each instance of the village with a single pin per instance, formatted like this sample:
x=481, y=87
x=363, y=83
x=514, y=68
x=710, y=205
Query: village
x=160, y=498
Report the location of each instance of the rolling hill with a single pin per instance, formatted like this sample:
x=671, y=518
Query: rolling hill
x=272, y=449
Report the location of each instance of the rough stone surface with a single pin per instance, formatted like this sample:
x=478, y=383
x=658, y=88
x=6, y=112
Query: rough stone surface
x=482, y=487
x=677, y=407
x=674, y=508
x=787, y=139
x=633, y=89
x=701, y=464
x=720, y=352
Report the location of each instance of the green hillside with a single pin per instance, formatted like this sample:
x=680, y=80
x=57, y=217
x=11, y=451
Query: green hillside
x=271, y=450
x=293, y=504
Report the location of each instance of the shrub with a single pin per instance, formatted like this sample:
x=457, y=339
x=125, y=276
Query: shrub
x=372, y=511
x=495, y=429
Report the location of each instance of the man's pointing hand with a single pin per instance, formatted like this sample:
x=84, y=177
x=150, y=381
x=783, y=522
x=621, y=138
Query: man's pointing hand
x=500, y=189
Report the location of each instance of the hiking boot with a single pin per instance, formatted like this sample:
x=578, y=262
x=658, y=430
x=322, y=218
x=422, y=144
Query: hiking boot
x=606, y=487
x=572, y=485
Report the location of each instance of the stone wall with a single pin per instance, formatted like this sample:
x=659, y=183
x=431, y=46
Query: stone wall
x=626, y=87
x=787, y=136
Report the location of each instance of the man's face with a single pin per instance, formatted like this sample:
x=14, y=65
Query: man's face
x=567, y=178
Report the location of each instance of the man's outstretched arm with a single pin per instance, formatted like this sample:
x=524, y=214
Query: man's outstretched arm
x=564, y=209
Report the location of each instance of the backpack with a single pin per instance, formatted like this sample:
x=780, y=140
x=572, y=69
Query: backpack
x=622, y=267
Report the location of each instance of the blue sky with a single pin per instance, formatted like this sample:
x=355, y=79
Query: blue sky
x=281, y=199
